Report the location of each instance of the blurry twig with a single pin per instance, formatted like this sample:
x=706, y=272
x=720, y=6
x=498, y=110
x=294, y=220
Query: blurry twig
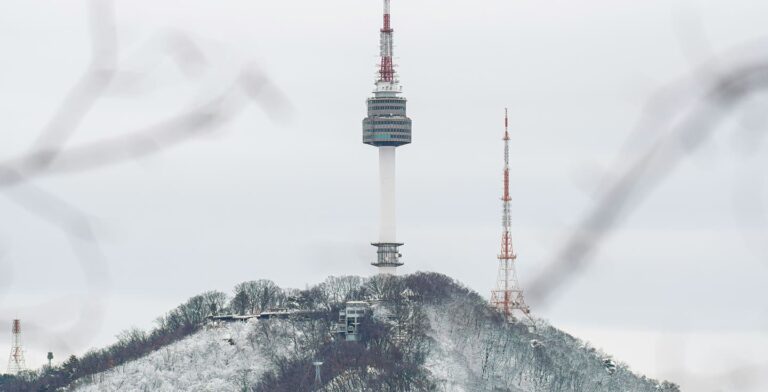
x=691, y=112
x=52, y=154
x=193, y=123
x=88, y=89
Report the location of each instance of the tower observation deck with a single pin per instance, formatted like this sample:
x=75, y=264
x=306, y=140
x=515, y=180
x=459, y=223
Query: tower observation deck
x=387, y=124
x=387, y=127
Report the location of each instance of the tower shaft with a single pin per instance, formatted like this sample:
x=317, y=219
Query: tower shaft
x=507, y=297
x=387, y=219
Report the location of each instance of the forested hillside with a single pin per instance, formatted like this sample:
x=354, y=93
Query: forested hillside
x=426, y=333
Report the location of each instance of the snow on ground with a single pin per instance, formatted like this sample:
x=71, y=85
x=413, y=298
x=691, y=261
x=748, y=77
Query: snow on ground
x=469, y=353
x=449, y=360
x=205, y=361
x=446, y=362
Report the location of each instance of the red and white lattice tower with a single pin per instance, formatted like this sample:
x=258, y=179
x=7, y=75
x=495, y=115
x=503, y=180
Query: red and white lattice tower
x=16, y=359
x=507, y=297
x=387, y=69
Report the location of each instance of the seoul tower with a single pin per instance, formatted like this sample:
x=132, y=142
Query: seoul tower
x=507, y=297
x=387, y=127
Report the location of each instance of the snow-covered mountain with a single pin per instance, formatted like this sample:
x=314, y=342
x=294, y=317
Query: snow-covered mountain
x=422, y=332
x=222, y=357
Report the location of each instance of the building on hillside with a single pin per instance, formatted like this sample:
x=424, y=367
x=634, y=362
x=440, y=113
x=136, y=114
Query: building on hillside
x=351, y=318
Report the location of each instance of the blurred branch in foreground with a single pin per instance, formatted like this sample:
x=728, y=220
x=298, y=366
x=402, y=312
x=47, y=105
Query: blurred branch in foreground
x=684, y=115
x=52, y=154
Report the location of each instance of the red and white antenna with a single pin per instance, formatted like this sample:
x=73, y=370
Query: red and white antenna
x=507, y=297
x=387, y=70
x=16, y=362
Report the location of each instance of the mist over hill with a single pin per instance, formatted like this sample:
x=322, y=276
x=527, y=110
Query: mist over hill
x=421, y=332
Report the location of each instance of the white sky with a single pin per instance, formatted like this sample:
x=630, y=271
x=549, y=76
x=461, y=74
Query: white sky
x=296, y=201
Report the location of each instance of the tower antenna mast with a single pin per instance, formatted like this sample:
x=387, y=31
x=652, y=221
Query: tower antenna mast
x=387, y=70
x=507, y=297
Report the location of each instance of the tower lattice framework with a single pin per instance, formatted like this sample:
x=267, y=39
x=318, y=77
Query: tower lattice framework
x=16, y=362
x=507, y=297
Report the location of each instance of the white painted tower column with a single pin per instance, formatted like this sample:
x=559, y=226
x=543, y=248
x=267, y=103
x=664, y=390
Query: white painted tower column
x=387, y=166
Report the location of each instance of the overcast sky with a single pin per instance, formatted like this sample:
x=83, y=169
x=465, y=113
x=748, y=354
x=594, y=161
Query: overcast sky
x=294, y=198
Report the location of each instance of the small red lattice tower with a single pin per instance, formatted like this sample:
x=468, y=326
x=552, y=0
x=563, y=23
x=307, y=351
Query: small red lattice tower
x=507, y=297
x=16, y=359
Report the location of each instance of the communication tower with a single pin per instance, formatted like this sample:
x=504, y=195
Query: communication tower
x=16, y=362
x=387, y=127
x=507, y=297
